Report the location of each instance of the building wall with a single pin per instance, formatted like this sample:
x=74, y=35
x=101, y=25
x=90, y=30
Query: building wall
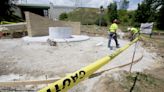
x=38, y=25
x=52, y=11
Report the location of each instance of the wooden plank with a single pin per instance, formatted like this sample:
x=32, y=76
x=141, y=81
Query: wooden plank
x=30, y=82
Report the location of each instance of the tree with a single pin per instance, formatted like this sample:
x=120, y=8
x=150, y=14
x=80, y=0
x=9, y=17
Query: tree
x=112, y=12
x=123, y=16
x=6, y=9
x=123, y=4
x=160, y=20
x=150, y=11
x=146, y=12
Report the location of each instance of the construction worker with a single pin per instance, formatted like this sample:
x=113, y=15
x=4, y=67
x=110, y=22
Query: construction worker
x=134, y=32
x=112, y=33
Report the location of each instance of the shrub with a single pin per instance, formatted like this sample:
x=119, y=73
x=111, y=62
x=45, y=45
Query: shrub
x=63, y=16
x=103, y=22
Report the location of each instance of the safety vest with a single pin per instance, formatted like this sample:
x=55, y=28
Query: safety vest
x=134, y=30
x=113, y=27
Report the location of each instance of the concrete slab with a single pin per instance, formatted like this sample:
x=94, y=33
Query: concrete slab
x=74, y=38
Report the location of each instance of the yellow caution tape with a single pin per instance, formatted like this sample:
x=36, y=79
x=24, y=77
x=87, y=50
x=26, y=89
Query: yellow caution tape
x=69, y=81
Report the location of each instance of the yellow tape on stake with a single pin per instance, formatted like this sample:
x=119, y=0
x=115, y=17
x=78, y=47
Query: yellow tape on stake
x=70, y=80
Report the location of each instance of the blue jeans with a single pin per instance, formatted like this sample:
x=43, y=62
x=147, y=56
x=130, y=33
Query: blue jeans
x=114, y=36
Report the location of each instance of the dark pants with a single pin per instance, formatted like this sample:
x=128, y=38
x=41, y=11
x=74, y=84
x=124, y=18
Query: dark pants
x=133, y=36
x=114, y=36
x=151, y=34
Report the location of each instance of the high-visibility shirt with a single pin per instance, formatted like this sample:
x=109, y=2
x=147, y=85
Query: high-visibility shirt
x=134, y=30
x=113, y=27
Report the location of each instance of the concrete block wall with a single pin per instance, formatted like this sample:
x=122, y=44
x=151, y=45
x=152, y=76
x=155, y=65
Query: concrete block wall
x=38, y=25
x=55, y=11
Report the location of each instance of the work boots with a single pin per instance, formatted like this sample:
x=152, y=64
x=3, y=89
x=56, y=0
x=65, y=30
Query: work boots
x=117, y=46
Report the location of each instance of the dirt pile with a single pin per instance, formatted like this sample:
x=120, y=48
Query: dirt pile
x=122, y=81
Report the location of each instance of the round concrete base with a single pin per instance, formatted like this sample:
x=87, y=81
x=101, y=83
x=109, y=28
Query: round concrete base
x=73, y=38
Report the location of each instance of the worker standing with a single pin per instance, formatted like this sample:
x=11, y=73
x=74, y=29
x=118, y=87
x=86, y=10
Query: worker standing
x=134, y=32
x=112, y=34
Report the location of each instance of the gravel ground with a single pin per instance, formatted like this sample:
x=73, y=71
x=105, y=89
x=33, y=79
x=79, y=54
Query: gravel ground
x=37, y=60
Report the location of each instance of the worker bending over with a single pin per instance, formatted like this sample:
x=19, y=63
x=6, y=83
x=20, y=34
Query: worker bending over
x=134, y=32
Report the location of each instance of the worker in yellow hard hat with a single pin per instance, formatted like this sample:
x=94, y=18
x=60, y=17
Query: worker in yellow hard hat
x=112, y=33
x=134, y=32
